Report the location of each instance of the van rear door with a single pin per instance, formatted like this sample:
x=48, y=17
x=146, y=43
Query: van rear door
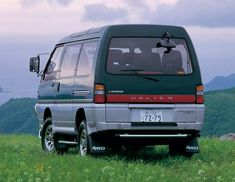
x=143, y=71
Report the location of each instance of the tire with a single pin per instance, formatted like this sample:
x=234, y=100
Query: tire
x=179, y=150
x=134, y=148
x=83, y=142
x=47, y=139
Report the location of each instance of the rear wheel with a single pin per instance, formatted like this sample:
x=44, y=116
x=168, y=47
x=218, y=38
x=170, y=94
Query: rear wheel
x=134, y=148
x=47, y=139
x=83, y=144
x=179, y=149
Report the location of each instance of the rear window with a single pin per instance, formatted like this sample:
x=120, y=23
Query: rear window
x=142, y=55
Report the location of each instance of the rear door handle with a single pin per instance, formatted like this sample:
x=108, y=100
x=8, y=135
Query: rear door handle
x=81, y=92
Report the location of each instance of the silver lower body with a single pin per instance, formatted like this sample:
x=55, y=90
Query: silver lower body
x=123, y=117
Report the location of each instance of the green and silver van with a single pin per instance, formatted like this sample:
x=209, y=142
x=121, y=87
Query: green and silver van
x=121, y=86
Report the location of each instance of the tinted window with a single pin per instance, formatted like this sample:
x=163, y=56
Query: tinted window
x=141, y=54
x=87, y=57
x=53, y=65
x=70, y=59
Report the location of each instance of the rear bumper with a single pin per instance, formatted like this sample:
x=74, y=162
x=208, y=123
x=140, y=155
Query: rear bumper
x=153, y=136
x=102, y=126
x=143, y=137
x=176, y=117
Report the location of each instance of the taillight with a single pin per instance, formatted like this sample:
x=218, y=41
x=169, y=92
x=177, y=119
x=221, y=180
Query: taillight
x=99, y=96
x=200, y=94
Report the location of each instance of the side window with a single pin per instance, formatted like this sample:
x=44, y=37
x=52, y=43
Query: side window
x=87, y=58
x=70, y=59
x=53, y=66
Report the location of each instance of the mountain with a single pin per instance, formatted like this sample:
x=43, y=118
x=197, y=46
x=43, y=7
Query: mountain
x=1, y=90
x=17, y=116
x=221, y=83
x=220, y=112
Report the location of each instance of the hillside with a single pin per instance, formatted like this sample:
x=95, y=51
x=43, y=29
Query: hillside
x=220, y=109
x=17, y=116
x=221, y=83
x=23, y=160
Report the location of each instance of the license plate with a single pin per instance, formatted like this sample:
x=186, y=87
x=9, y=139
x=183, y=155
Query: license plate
x=151, y=116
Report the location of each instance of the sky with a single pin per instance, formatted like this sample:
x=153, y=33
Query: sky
x=29, y=27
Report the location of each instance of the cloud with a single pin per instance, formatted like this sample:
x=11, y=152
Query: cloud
x=61, y=2
x=134, y=3
x=101, y=12
x=209, y=13
x=30, y=3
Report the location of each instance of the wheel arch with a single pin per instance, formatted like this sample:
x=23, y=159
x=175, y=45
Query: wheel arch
x=46, y=114
x=80, y=116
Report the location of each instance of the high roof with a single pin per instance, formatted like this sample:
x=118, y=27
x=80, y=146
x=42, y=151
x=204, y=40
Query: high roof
x=90, y=33
x=127, y=29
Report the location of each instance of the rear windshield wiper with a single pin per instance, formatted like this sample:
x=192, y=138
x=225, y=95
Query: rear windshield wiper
x=139, y=75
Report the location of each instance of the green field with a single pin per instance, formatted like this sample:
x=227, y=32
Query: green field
x=23, y=160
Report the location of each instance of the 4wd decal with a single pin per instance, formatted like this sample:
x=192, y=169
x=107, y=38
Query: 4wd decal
x=101, y=148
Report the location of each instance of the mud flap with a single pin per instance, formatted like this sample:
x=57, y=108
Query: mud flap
x=192, y=146
x=57, y=144
x=96, y=147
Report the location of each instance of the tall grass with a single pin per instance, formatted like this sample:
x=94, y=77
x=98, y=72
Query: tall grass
x=22, y=159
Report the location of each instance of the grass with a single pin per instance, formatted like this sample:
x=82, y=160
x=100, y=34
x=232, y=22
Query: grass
x=23, y=160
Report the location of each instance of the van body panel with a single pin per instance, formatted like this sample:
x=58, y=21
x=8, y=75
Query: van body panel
x=179, y=116
x=64, y=90
x=83, y=88
x=136, y=101
x=46, y=91
x=64, y=118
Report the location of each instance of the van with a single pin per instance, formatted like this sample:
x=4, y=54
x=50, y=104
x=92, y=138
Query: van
x=121, y=86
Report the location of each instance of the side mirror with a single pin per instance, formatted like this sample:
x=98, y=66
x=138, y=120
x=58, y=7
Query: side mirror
x=34, y=65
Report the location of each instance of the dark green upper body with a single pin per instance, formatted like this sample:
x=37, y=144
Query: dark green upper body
x=133, y=80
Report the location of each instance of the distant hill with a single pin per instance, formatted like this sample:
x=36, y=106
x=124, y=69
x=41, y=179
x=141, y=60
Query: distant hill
x=17, y=116
x=1, y=90
x=221, y=83
x=220, y=112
